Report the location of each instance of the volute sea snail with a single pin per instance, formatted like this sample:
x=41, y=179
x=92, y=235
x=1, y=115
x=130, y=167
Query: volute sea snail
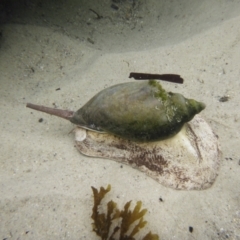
x=155, y=131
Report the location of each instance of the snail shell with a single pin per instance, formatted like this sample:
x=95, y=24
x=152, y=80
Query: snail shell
x=138, y=111
x=145, y=113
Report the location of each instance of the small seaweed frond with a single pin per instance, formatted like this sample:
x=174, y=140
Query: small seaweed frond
x=124, y=230
x=129, y=217
x=101, y=224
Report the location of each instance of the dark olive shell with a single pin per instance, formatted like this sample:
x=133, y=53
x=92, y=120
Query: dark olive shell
x=139, y=111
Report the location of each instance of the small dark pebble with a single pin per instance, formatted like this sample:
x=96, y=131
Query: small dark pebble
x=40, y=120
x=223, y=99
x=57, y=89
x=90, y=40
x=239, y=162
x=121, y=166
x=190, y=229
x=114, y=6
x=160, y=199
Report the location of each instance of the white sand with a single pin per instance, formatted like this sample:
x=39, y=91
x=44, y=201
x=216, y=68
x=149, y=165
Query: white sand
x=45, y=182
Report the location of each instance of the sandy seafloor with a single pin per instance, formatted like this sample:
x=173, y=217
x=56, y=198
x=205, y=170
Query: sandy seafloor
x=45, y=183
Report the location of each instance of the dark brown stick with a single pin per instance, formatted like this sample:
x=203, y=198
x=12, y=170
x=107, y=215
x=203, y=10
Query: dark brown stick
x=53, y=111
x=174, y=78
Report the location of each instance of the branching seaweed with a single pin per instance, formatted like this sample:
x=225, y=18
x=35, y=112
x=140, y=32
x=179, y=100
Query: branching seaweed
x=103, y=223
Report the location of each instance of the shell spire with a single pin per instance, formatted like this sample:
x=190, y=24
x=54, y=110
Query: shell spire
x=53, y=111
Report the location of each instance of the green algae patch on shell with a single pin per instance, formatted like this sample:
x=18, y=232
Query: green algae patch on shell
x=188, y=161
x=139, y=111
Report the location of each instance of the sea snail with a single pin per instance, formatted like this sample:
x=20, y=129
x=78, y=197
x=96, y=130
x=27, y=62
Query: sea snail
x=138, y=111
